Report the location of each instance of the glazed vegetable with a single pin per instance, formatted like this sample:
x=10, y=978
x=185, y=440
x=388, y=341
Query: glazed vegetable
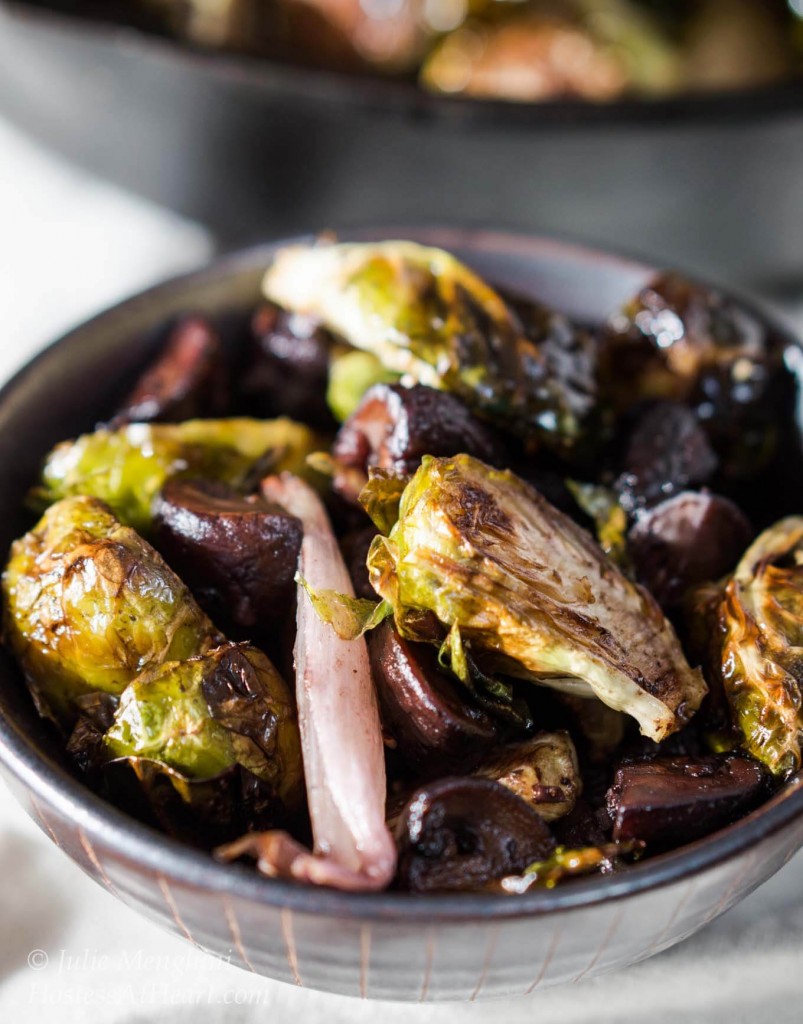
x=761, y=626
x=204, y=715
x=89, y=605
x=128, y=467
x=288, y=367
x=565, y=863
x=340, y=731
x=680, y=341
x=187, y=379
x=351, y=374
x=543, y=771
x=667, y=452
x=433, y=725
x=527, y=590
x=669, y=801
x=427, y=316
x=687, y=540
x=393, y=427
x=238, y=554
x=464, y=833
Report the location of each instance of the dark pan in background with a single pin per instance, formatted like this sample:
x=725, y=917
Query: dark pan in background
x=252, y=147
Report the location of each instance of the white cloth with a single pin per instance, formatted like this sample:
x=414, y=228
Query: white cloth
x=69, y=951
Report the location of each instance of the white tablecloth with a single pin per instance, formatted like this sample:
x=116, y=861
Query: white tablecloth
x=70, y=952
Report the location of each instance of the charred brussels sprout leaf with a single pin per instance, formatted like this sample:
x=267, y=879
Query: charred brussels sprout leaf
x=89, y=605
x=425, y=315
x=531, y=593
x=128, y=467
x=565, y=863
x=761, y=622
x=205, y=715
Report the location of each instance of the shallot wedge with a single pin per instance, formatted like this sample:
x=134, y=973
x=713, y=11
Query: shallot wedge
x=341, y=735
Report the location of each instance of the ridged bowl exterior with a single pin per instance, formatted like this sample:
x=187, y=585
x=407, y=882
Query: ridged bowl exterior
x=386, y=946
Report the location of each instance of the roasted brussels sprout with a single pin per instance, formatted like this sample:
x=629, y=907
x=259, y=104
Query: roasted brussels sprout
x=761, y=628
x=188, y=379
x=564, y=863
x=543, y=771
x=238, y=554
x=128, y=467
x=427, y=316
x=394, y=427
x=464, y=833
x=89, y=605
x=288, y=367
x=680, y=341
x=687, y=540
x=529, y=593
x=668, y=801
x=202, y=716
x=351, y=374
x=434, y=727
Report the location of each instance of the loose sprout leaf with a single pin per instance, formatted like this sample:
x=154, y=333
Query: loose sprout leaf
x=610, y=520
x=533, y=595
x=88, y=605
x=128, y=467
x=380, y=498
x=426, y=316
x=564, y=863
x=761, y=622
x=350, y=617
x=350, y=376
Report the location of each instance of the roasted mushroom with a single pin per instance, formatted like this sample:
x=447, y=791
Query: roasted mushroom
x=669, y=801
x=434, y=726
x=237, y=554
x=683, y=342
x=288, y=368
x=89, y=605
x=687, y=540
x=530, y=592
x=394, y=427
x=188, y=379
x=465, y=833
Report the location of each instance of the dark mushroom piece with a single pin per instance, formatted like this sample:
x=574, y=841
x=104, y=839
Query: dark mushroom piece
x=668, y=452
x=434, y=726
x=289, y=366
x=237, y=554
x=394, y=427
x=464, y=833
x=187, y=380
x=669, y=801
x=687, y=540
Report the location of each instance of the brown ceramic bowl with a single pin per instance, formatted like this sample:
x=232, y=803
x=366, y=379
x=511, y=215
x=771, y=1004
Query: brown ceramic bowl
x=384, y=946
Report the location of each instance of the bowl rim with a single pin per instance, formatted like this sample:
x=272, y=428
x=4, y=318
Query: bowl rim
x=129, y=840
x=295, y=81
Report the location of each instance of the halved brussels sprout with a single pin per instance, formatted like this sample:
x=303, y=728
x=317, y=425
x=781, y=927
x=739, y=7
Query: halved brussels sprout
x=543, y=771
x=761, y=622
x=529, y=593
x=427, y=316
x=128, y=467
x=205, y=715
x=88, y=605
